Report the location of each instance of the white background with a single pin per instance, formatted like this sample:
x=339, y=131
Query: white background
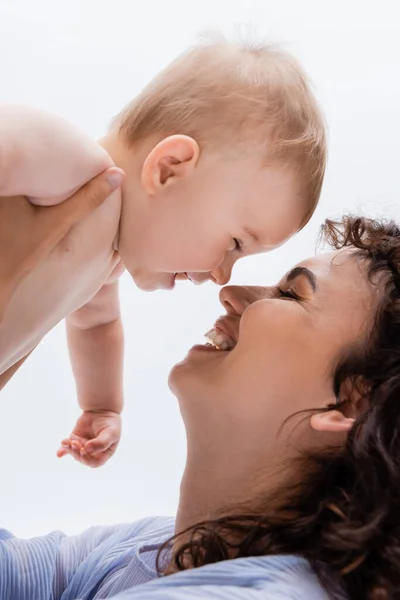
x=85, y=59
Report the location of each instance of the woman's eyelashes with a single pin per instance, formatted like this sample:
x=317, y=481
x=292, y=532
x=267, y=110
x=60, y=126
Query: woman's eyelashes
x=289, y=294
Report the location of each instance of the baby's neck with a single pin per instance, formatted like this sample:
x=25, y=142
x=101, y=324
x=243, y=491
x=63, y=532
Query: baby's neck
x=112, y=146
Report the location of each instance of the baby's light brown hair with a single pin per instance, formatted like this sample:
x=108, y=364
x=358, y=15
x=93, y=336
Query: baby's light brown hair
x=226, y=95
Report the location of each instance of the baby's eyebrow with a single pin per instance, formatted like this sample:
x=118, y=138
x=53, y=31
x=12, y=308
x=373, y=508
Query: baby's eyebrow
x=303, y=271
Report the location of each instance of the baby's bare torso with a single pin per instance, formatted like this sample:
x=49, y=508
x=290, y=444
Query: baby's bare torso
x=69, y=278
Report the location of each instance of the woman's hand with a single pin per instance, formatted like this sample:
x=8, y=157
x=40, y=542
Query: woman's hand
x=28, y=233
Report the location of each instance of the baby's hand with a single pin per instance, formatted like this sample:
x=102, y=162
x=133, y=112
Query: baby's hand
x=94, y=438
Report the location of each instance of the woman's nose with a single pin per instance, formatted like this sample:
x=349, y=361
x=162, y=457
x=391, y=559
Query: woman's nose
x=234, y=299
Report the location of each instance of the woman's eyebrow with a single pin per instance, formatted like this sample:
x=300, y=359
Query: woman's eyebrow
x=298, y=271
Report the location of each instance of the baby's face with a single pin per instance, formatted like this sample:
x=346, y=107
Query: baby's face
x=197, y=225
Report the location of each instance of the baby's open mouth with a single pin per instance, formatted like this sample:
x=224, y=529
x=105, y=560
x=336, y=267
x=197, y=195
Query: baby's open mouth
x=182, y=277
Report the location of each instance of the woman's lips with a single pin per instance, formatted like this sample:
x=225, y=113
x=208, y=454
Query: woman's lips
x=223, y=336
x=206, y=348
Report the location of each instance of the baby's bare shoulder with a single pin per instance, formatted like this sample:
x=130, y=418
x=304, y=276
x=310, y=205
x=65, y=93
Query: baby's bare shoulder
x=45, y=157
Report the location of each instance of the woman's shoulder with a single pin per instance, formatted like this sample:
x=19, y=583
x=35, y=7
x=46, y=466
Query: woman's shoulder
x=284, y=577
x=251, y=578
x=157, y=527
x=279, y=576
x=31, y=564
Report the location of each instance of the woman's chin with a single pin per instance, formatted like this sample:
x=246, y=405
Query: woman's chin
x=203, y=354
x=196, y=361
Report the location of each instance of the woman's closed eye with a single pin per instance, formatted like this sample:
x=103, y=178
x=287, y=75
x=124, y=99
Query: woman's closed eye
x=287, y=294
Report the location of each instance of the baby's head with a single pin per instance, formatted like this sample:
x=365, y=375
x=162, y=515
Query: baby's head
x=224, y=154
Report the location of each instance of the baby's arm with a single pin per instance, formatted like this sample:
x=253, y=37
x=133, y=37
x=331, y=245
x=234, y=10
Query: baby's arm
x=44, y=157
x=95, y=340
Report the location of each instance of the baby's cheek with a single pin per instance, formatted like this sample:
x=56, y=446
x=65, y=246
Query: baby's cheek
x=217, y=258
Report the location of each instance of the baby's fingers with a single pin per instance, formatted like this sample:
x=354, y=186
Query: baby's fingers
x=98, y=459
x=71, y=447
x=62, y=452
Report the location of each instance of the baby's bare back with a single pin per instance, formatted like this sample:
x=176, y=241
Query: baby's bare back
x=84, y=260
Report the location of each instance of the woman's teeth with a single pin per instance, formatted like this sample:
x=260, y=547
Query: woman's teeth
x=218, y=340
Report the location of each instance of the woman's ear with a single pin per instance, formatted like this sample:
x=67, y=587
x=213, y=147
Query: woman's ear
x=171, y=159
x=332, y=421
x=352, y=401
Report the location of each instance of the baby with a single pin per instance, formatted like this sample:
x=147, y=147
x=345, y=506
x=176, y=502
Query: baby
x=224, y=156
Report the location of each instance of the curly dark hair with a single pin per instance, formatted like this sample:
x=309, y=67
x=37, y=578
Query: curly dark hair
x=345, y=517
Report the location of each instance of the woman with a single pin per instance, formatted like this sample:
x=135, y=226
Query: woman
x=292, y=477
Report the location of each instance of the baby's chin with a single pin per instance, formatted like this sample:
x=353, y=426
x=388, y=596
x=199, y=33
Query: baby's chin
x=150, y=282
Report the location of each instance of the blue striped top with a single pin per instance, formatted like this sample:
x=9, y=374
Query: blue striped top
x=118, y=562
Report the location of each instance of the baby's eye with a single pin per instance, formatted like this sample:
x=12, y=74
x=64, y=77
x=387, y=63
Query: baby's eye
x=238, y=245
x=289, y=294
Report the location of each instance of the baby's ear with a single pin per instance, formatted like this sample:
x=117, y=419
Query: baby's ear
x=171, y=159
x=332, y=421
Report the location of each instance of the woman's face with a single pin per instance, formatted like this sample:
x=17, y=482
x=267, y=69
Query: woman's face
x=285, y=342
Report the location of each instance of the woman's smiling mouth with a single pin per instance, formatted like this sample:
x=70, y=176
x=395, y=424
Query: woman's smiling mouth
x=223, y=336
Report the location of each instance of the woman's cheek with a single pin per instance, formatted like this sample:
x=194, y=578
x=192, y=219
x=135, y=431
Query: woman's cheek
x=273, y=323
x=277, y=343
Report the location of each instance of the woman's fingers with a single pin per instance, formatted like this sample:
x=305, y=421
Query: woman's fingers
x=59, y=219
x=29, y=233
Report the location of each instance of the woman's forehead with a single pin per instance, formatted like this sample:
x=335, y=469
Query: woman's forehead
x=333, y=264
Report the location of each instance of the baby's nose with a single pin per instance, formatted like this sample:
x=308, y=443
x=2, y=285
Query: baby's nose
x=222, y=275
